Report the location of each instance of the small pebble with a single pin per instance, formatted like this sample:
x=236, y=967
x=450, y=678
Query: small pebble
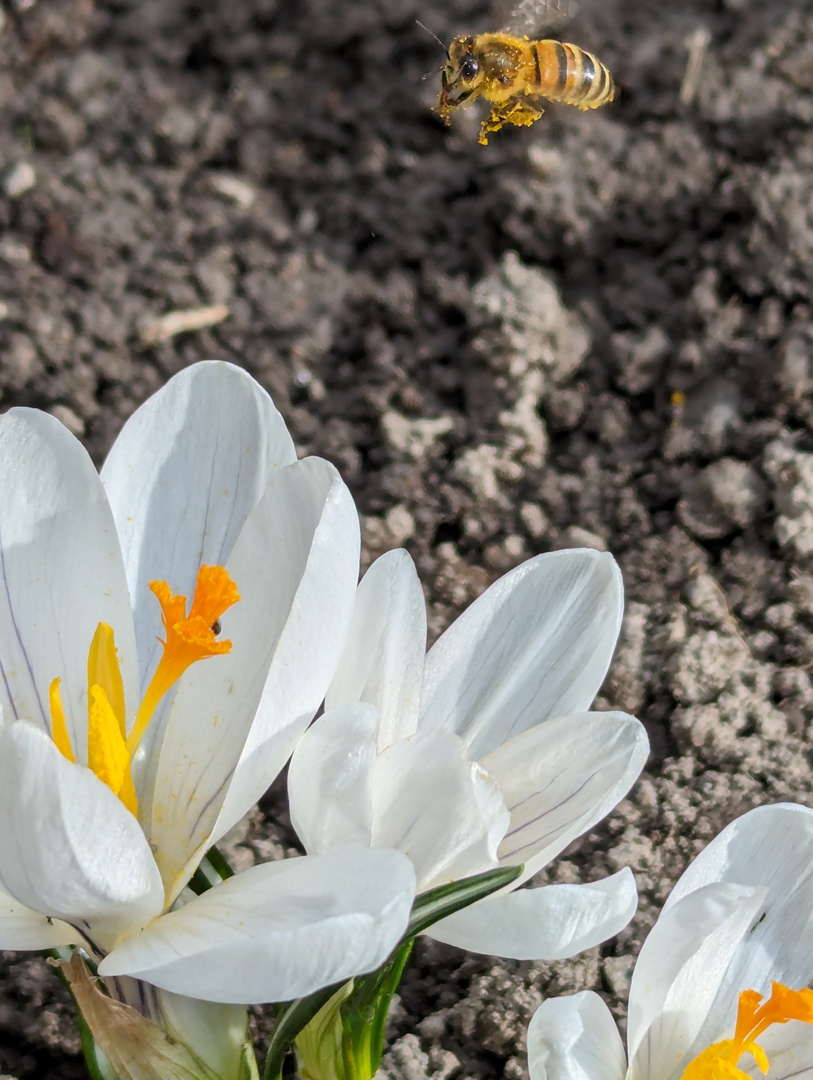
x=18, y=179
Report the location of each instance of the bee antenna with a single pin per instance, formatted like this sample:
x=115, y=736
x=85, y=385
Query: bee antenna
x=432, y=34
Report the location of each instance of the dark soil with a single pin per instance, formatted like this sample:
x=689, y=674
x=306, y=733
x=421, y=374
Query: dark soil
x=594, y=332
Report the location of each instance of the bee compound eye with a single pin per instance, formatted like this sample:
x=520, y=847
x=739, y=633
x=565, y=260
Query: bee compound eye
x=469, y=67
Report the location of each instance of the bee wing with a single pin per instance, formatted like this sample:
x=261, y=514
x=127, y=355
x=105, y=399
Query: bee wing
x=529, y=18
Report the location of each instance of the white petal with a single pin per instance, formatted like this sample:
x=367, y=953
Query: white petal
x=575, y=1038
x=214, y=1032
x=771, y=846
x=768, y=852
x=330, y=780
x=553, y=922
x=68, y=846
x=790, y=1051
x=536, y=644
x=562, y=777
x=679, y=971
x=182, y=477
x=437, y=807
x=295, y=564
x=305, y=657
x=21, y=928
x=62, y=573
x=277, y=931
x=382, y=662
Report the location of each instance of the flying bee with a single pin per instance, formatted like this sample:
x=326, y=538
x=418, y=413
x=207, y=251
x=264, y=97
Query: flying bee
x=513, y=72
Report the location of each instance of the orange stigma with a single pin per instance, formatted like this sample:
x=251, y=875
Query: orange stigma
x=754, y=1016
x=189, y=638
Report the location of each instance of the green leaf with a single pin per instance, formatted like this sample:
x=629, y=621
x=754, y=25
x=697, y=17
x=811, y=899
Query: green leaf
x=212, y=870
x=292, y=1018
x=248, y=1064
x=436, y=904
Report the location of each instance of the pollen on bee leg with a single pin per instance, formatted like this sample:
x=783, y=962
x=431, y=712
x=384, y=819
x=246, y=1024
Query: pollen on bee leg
x=189, y=638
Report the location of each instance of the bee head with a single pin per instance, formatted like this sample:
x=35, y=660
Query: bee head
x=463, y=72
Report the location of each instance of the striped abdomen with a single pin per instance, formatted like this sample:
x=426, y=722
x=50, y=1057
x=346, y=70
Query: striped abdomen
x=570, y=74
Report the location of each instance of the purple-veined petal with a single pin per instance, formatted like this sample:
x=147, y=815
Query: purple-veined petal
x=61, y=573
x=561, y=778
x=277, y=931
x=187, y=469
x=536, y=645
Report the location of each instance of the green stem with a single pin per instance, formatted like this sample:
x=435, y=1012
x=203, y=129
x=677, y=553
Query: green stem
x=291, y=1019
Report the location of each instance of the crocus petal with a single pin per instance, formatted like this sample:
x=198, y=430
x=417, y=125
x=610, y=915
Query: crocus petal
x=310, y=644
x=562, y=777
x=553, y=922
x=62, y=573
x=771, y=846
x=681, y=966
x=790, y=1051
x=330, y=780
x=277, y=931
x=68, y=846
x=536, y=644
x=187, y=469
x=215, y=1032
x=440, y=809
x=21, y=928
x=575, y=1038
x=768, y=852
x=295, y=564
x=382, y=662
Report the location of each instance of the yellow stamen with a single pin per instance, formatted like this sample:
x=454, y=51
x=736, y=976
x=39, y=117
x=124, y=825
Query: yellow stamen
x=59, y=727
x=720, y=1060
x=104, y=670
x=189, y=638
x=107, y=749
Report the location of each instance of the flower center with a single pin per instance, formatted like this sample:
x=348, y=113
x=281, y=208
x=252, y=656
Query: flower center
x=720, y=1060
x=189, y=638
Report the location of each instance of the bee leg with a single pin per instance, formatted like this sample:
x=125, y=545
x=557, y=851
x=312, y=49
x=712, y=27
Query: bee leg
x=517, y=111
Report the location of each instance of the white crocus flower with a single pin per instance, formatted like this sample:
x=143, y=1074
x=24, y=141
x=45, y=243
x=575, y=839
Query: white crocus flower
x=483, y=752
x=121, y=759
x=719, y=991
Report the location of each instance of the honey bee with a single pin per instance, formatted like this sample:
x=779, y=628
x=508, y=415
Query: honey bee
x=513, y=72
